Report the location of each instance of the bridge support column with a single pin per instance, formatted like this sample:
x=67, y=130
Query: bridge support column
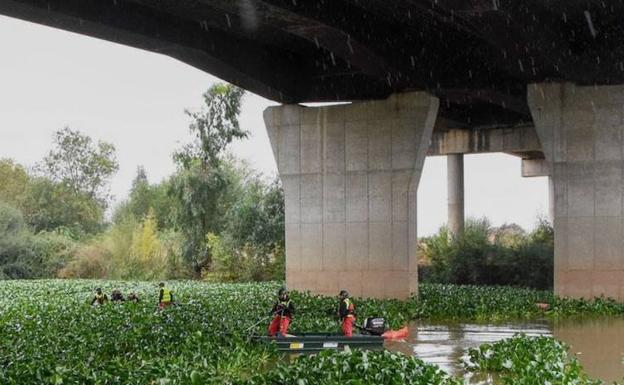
x=455, y=180
x=581, y=130
x=350, y=175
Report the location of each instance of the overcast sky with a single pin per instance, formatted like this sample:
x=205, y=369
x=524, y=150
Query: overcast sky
x=136, y=100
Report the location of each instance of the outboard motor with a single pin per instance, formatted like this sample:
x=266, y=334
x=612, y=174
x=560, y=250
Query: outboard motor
x=375, y=326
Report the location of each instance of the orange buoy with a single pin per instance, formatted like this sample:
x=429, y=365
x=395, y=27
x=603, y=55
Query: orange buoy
x=396, y=334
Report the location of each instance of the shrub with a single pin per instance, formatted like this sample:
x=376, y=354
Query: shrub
x=129, y=250
x=490, y=256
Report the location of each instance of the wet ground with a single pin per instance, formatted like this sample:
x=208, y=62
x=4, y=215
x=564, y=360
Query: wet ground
x=599, y=343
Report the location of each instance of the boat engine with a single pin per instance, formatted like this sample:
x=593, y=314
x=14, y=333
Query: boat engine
x=375, y=325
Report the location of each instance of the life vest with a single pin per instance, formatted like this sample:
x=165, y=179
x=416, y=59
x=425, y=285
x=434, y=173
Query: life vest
x=284, y=308
x=99, y=298
x=166, y=297
x=350, y=308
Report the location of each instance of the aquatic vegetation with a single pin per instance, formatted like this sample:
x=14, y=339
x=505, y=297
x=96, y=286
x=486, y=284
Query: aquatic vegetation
x=529, y=360
x=355, y=367
x=500, y=303
x=52, y=335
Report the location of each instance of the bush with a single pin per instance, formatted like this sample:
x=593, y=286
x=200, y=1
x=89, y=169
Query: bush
x=55, y=250
x=129, y=250
x=490, y=256
x=17, y=258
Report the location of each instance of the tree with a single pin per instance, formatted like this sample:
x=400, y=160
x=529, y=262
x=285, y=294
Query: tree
x=201, y=181
x=82, y=165
x=14, y=183
x=51, y=205
x=17, y=258
x=198, y=192
x=145, y=198
x=214, y=127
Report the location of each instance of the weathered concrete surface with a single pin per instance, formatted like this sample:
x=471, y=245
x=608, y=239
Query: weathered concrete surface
x=455, y=180
x=581, y=130
x=350, y=176
x=534, y=167
x=521, y=139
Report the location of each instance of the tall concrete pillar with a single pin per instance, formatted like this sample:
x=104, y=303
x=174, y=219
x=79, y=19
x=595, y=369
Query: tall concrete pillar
x=455, y=179
x=350, y=175
x=581, y=131
x=551, y=200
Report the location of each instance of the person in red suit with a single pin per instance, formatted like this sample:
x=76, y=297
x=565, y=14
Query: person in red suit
x=282, y=313
x=346, y=312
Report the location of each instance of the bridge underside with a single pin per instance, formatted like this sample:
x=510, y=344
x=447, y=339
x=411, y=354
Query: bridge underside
x=456, y=69
x=476, y=56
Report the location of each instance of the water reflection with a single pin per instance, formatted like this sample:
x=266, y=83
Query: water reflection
x=600, y=342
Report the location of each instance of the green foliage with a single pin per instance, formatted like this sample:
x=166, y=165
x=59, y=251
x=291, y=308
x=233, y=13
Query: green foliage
x=26, y=255
x=251, y=243
x=16, y=254
x=488, y=256
x=355, y=368
x=80, y=164
x=145, y=198
x=50, y=205
x=202, y=184
x=214, y=127
x=523, y=360
x=203, y=339
x=14, y=183
x=131, y=249
x=198, y=192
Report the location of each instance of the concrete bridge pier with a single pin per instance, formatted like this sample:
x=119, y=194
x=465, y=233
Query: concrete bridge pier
x=581, y=130
x=350, y=175
x=455, y=180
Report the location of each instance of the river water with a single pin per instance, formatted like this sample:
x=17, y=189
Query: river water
x=598, y=343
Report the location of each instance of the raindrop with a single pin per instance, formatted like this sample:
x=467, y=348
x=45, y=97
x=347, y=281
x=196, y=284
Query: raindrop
x=317, y=43
x=248, y=15
x=621, y=66
x=388, y=80
x=470, y=74
x=565, y=17
x=294, y=2
x=521, y=66
x=115, y=3
x=333, y=59
x=229, y=22
x=598, y=59
x=590, y=24
x=413, y=60
x=495, y=5
x=349, y=44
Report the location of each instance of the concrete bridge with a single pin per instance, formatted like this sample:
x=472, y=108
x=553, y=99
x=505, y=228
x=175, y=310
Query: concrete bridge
x=537, y=78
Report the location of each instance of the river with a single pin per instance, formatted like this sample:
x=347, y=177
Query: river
x=598, y=343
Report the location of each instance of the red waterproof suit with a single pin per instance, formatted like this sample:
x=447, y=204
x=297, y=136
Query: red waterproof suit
x=347, y=316
x=283, y=312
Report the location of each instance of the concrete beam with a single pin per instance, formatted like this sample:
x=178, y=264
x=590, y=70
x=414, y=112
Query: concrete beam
x=350, y=175
x=522, y=139
x=534, y=167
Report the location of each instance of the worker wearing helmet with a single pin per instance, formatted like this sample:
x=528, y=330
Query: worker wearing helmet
x=99, y=298
x=346, y=312
x=282, y=313
x=165, y=297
